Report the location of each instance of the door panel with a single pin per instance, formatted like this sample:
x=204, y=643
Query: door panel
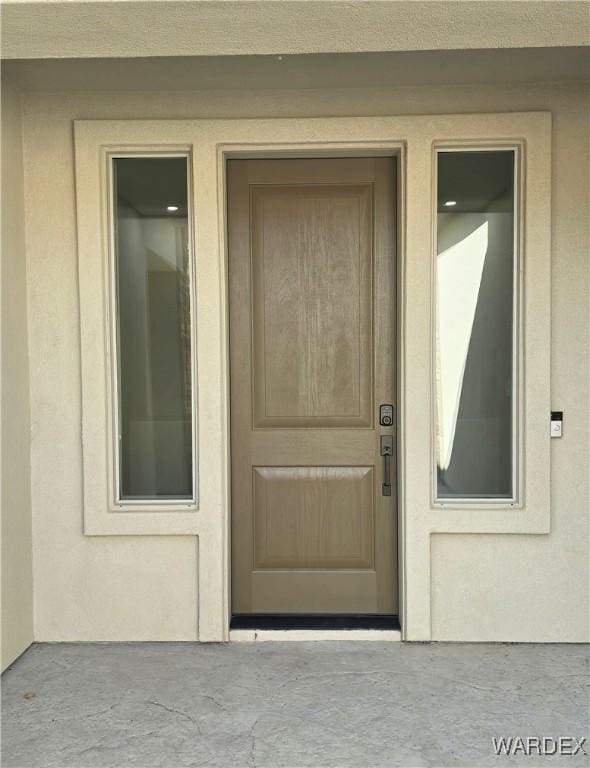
x=312, y=351
x=313, y=517
x=312, y=303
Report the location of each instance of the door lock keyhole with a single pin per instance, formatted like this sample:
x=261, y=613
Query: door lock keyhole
x=386, y=415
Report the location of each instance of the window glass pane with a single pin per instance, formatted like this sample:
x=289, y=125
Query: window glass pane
x=474, y=324
x=153, y=328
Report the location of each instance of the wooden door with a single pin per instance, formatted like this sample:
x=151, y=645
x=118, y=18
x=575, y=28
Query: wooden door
x=312, y=341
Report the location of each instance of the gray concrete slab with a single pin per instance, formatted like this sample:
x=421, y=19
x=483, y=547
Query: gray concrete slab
x=265, y=705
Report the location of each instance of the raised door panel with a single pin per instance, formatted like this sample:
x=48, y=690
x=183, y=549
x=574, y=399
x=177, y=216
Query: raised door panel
x=313, y=517
x=311, y=272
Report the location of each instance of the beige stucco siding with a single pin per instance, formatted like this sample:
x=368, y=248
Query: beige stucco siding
x=17, y=569
x=505, y=587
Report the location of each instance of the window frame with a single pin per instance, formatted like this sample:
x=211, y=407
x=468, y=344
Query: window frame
x=113, y=357
x=113, y=364
x=518, y=407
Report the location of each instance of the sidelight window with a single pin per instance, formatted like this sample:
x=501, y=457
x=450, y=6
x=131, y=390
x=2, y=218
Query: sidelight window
x=475, y=330
x=154, y=400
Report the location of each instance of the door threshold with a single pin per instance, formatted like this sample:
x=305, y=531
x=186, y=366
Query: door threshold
x=307, y=621
x=302, y=627
x=314, y=635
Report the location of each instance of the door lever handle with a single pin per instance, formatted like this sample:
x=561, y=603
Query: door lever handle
x=387, y=453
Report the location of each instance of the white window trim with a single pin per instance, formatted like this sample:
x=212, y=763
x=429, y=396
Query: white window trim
x=148, y=505
x=476, y=502
x=211, y=142
x=104, y=514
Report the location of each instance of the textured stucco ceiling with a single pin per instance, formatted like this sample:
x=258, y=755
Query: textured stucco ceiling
x=136, y=28
x=311, y=71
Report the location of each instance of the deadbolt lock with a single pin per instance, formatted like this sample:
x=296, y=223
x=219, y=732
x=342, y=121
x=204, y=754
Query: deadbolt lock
x=386, y=415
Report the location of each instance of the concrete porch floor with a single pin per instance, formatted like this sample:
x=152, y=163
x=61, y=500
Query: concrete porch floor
x=322, y=704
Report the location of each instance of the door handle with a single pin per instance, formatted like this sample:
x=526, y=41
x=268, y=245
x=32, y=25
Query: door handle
x=387, y=453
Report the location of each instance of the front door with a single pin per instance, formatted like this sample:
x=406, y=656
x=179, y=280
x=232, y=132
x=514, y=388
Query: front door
x=312, y=347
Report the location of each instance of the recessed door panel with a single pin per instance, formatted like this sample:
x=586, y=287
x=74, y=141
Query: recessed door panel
x=312, y=351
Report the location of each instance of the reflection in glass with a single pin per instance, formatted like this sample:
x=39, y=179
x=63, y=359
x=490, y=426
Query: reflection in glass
x=474, y=324
x=153, y=328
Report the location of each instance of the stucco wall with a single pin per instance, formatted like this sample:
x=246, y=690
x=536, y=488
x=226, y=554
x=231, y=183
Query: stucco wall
x=17, y=569
x=492, y=587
